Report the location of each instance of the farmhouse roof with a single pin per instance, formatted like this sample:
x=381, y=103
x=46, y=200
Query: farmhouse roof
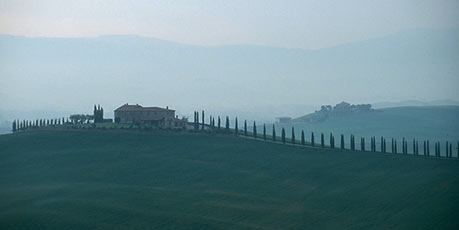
x=138, y=107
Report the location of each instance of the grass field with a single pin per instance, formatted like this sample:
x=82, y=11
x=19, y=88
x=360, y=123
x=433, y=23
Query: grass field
x=115, y=179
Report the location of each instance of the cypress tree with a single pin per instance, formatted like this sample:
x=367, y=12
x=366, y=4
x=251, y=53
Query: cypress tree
x=342, y=141
x=332, y=141
x=283, y=136
x=384, y=145
x=392, y=145
x=428, y=148
x=202, y=118
x=414, y=147
x=322, y=140
x=425, y=148
x=362, y=143
x=447, y=146
x=274, y=133
x=254, y=129
x=227, y=124
x=403, y=145
x=374, y=144
x=312, y=138
x=395, y=146
x=245, y=127
x=264, y=132
x=195, y=121
x=352, y=142
x=303, y=142
x=235, y=127
x=371, y=144
x=218, y=123
x=14, y=126
x=293, y=135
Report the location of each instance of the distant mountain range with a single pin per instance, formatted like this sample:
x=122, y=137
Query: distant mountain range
x=380, y=105
x=72, y=73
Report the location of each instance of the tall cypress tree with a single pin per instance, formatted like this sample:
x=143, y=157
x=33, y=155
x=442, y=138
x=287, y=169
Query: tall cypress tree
x=403, y=145
x=218, y=123
x=322, y=140
x=236, y=128
x=447, y=146
x=283, y=136
x=196, y=120
x=312, y=138
x=425, y=148
x=342, y=141
x=293, y=135
x=384, y=140
x=254, y=129
x=202, y=118
x=352, y=142
x=264, y=132
x=14, y=126
x=362, y=143
x=227, y=124
x=428, y=148
x=245, y=127
x=395, y=146
x=332, y=142
x=274, y=133
x=303, y=142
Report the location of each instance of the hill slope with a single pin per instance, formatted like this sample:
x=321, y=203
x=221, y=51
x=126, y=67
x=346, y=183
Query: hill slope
x=115, y=180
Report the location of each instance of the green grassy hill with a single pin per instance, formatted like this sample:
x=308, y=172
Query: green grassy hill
x=434, y=123
x=124, y=179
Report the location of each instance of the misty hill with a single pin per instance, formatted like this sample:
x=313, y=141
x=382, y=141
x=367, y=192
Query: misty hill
x=434, y=123
x=118, y=180
x=125, y=68
x=339, y=110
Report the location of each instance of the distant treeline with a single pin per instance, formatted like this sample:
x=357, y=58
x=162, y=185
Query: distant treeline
x=401, y=148
x=340, y=109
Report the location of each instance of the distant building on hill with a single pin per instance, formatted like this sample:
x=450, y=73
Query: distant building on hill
x=155, y=116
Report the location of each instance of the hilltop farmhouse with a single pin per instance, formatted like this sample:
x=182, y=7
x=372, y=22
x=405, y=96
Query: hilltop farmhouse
x=154, y=116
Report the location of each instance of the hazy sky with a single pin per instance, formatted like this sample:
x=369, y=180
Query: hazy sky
x=294, y=23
